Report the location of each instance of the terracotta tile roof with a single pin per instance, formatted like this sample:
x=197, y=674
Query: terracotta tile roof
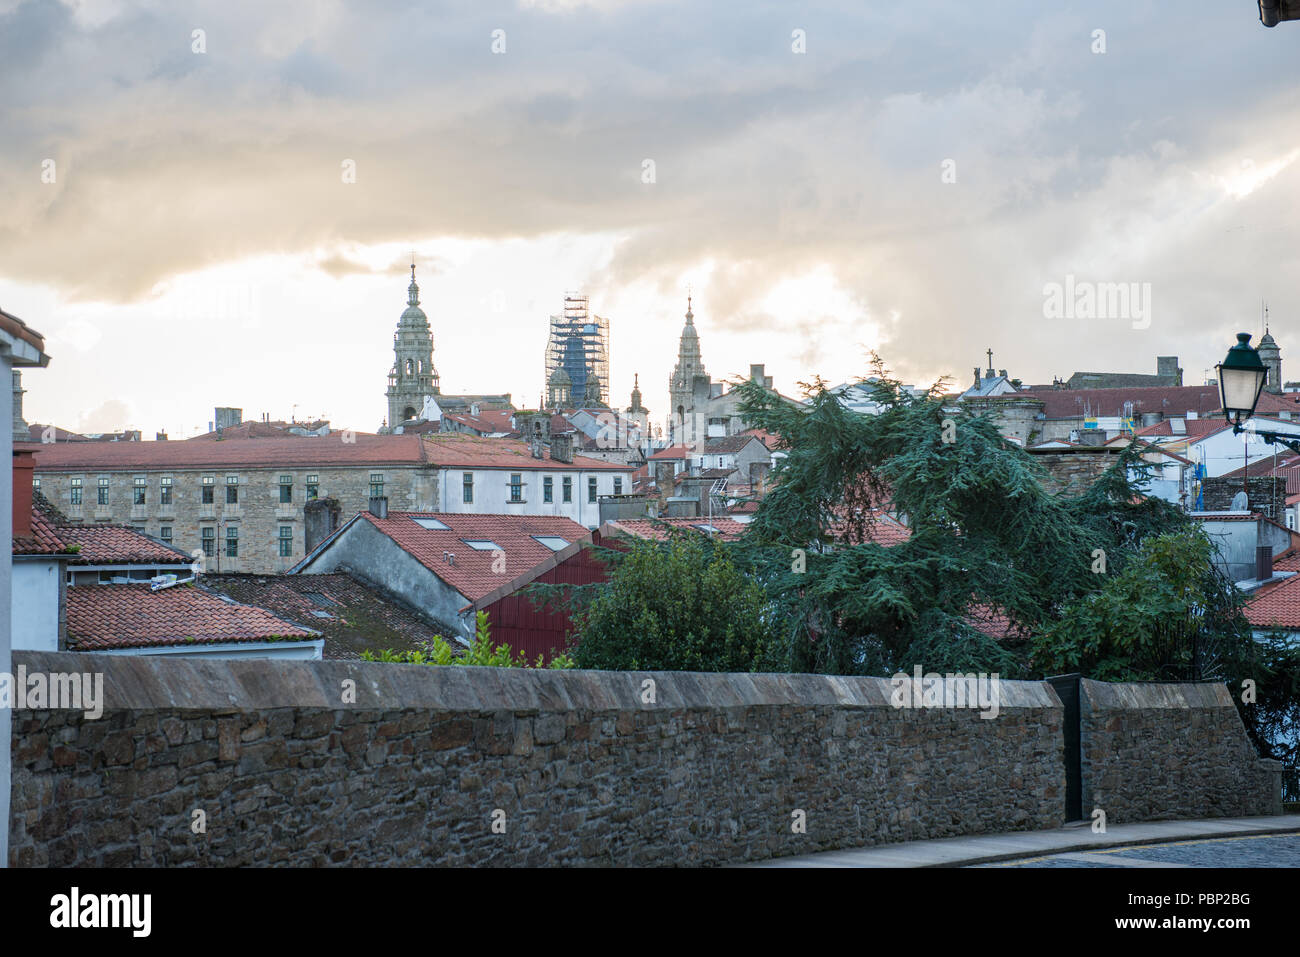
x=1193, y=428
x=295, y=451
x=1288, y=561
x=659, y=529
x=1286, y=465
x=883, y=529
x=45, y=538
x=672, y=452
x=487, y=421
x=351, y=616
x=729, y=443
x=1271, y=404
x=1167, y=400
x=472, y=574
x=103, y=617
x=268, y=430
x=459, y=450
x=1276, y=606
x=118, y=545
x=770, y=439
x=994, y=622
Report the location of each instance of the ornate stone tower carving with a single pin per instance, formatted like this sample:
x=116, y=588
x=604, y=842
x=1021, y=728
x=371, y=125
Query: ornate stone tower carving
x=412, y=376
x=688, y=381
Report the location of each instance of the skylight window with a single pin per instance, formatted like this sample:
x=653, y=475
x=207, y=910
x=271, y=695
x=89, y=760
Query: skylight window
x=553, y=542
x=706, y=528
x=432, y=524
x=482, y=545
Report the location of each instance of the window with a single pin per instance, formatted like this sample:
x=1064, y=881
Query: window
x=286, y=489
x=165, y=495
x=139, y=488
x=432, y=524
x=553, y=542
x=516, y=487
x=548, y=489
x=591, y=489
x=165, y=533
x=76, y=492
x=209, y=481
x=209, y=540
x=568, y=488
x=313, y=486
x=232, y=489
x=232, y=541
x=618, y=485
x=376, y=485
x=286, y=541
x=103, y=492
x=482, y=545
x=467, y=487
x=36, y=485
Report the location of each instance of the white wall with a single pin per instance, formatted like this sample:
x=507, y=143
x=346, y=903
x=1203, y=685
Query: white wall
x=35, y=612
x=492, y=493
x=1223, y=451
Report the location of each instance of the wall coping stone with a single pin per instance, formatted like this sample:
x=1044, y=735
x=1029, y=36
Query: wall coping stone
x=1104, y=696
x=143, y=682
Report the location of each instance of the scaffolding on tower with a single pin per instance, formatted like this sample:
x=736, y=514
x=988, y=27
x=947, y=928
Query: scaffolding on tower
x=579, y=343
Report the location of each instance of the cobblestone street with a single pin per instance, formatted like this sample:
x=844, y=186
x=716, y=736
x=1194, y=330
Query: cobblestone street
x=1264, y=850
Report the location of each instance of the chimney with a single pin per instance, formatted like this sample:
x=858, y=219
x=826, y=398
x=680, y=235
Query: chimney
x=379, y=506
x=1263, y=562
x=562, y=447
x=24, y=465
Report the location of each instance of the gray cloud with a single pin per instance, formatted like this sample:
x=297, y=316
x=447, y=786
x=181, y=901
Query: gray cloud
x=768, y=163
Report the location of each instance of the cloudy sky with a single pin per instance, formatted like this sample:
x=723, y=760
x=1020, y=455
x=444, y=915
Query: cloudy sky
x=177, y=220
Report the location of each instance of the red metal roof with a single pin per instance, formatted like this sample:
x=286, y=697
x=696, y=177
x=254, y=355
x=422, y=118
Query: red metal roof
x=672, y=452
x=132, y=616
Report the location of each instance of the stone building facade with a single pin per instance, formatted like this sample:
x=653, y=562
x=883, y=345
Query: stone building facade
x=243, y=503
x=238, y=503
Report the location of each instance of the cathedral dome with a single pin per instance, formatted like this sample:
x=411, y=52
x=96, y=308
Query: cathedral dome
x=560, y=377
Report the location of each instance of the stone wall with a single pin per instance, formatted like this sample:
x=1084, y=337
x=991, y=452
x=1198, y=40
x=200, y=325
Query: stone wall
x=1075, y=470
x=1152, y=751
x=457, y=766
x=1266, y=494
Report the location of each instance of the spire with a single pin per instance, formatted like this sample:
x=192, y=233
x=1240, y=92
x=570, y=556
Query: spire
x=412, y=291
x=690, y=316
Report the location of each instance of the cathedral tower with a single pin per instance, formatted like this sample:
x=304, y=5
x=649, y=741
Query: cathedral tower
x=688, y=383
x=412, y=376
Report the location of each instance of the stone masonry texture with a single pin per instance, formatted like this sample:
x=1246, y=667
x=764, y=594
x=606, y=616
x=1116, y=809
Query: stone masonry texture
x=1152, y=751
x=577, y=767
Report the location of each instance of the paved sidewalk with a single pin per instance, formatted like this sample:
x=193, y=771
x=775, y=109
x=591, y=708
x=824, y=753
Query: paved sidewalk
x=964, y=851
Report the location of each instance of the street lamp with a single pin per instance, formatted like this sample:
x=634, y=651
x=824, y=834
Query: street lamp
x=1241, y=380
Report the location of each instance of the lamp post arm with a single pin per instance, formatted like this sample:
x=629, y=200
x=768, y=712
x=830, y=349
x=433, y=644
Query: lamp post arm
x=1272, y=438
